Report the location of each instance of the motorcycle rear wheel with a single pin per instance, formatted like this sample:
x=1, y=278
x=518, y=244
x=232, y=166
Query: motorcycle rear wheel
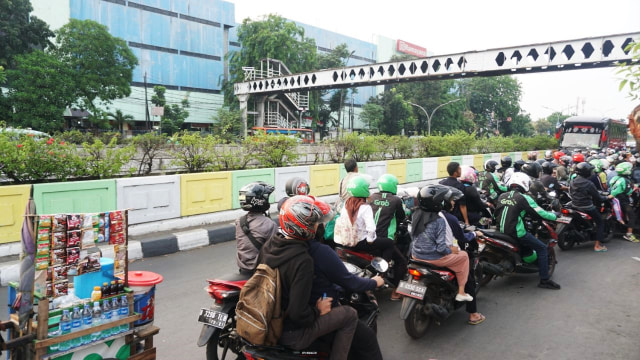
x=565, y=241
x=417, y=323
x=220, y=338
x=482, y=278
x=552, y=261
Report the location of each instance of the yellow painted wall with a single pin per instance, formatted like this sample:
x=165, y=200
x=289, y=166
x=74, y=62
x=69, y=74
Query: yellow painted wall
x=205, y=192
x=325, y=179
x=398, y=168
x=442, y=166
x=13, y=201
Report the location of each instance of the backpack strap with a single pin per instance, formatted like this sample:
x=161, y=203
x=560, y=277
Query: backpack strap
x=244, y=225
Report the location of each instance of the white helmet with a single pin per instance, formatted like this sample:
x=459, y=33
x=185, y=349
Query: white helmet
x=521, y=179
x=605, y=164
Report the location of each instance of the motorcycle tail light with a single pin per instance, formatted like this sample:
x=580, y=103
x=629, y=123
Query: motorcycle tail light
x=566, y=211
x=248, y=356
x=220, y=293
x=415, y=273
x=445, y=275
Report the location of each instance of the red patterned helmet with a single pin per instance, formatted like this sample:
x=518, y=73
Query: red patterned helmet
x=300, y=213
x=558, y=154
x=578, y=158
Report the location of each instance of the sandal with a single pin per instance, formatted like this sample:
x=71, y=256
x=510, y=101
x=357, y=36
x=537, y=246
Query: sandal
x=602, y=249
x=477, y=321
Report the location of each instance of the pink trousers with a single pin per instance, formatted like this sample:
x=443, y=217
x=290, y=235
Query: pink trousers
x=458, y=263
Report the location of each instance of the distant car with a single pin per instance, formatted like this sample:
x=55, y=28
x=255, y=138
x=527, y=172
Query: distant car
x=16, y=133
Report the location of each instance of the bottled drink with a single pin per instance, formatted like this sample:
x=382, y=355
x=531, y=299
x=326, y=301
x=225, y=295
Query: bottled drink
x=105, y=290
x=65, y=328
x=106, y=317
x=87, y=317
x=124, y=312
x=96, y=294
x=113, y=288
x=52, y=334
x=96, y=320
x=115, y=314
x=120, y=286
x=76, y=325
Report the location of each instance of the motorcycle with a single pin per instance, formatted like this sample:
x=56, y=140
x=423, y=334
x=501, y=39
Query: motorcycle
x=577, y=227
x=365, y=304
x=219, y=322
x=501, y=254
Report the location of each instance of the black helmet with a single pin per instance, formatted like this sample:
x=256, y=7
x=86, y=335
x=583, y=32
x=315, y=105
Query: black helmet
x=506, y=161
x=490, y=165
x=532, y=168
x=454, y=195
x=517, y=166
x=255, y=196
x=432, y=198
x=547, y=167
x=540, y=161
x=297, y=186
x=584, y=169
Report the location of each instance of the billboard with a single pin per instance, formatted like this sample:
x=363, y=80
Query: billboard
x=411, y=49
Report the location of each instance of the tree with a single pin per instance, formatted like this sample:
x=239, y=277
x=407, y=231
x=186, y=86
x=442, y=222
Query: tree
x=20, y=32
x=102, y=64
x=272, y=37
x=372, y=115
x=396, y=113
x=228, y=124
x=120, y=119
x=174, y=114
x=41, y=89
x=3, y=76
x=321, y=108
x=631, y=71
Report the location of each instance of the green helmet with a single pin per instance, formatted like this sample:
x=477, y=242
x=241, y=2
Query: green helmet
x=389, y=183
x=624, y=168
x=358, y=187
x=597, y=165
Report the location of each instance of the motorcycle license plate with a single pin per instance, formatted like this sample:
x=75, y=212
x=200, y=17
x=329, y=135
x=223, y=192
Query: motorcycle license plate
x=413, y=290
x=213, y=318
x=564, y=219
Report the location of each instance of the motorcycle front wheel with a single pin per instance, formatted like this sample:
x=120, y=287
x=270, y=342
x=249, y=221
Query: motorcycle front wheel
x=565, y=241
x=552, y=261
x=417, y=323
x=482, y=278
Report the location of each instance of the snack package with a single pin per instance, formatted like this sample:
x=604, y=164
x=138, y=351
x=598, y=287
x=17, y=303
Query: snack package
x=42, y=262
x=104, y=228
x=42, y=248
x=117, y=238
x=49, y=289
x=44, y=234
x=49, y=274
x=120, y=254
x=58, y=257
x=89, y=237
x=40, y=283
x=73, y=256
x=60, y=288
x=44, y=222
x=117, y=227
x=73, y=238
x=59, y=272
x=90, y=220
x=116, y=216
x=74, y=222
x=89, y=261
x=59, y=223
x=59, y=240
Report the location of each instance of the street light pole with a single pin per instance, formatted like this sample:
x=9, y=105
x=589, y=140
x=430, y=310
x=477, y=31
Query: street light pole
x=433, y=112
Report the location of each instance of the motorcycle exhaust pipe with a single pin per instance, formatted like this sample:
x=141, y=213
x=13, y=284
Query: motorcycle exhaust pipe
x=492, y=269
x=438, y=311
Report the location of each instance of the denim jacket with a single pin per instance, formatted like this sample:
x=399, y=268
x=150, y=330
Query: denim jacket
x=431, y=244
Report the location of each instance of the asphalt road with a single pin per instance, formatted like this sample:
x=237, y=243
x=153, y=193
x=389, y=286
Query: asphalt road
x=596, y=315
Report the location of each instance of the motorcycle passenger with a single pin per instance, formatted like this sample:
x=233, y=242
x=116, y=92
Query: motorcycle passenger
x=548, y=180
x=467, y=242
x=329, y=277
x=536, y=189
x=532, y=156
x=611, y=170
x=460, y=210
x=388, y=213
x=509, y=216
x=505, y=171
x=430, y=241
x=288, y=251
x=621, y=188
x=598, y=178
x=548, y=156
x=517, y=166
x=576, y=159
x=489, y=182
x=254, y=228
x=361, y=215
x=585, y=197
x=562, y=171
x=476, y=208
x=294, y=186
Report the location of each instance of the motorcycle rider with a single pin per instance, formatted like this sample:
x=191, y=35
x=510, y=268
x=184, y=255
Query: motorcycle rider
x=254, y=228
x=460, y=210
x=294, y=186
x=562, y=171
x=532, y=156
x=598, y=178
x=577, y=158
x=585, y=196
x=536, y=188
x=329, y=275
x=505, y=170
x=430, y=242
x=388, y=213
x=351, y=166
x=475, y=207
x=621, y=188
x=489, y=182
x=287, y=251
x=509, y=216
x=548, y=156
x=548, y=180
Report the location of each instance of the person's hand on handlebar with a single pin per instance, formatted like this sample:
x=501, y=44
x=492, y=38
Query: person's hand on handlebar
x=379, y=280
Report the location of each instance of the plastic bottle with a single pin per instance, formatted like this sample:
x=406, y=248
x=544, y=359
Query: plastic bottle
x=107, y=316
x=105, y=290
x=87, y=317
x=120, y=286
x=96, y=294
x=52, y=334
x=96, y=320
x=76, y=325
x=124, y=312
x=113, y=288
x=65, y=328
x=115, y=314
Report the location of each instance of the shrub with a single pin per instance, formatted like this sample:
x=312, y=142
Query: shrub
x=231, y=157
x=104, y=161
x=272, y=150
x=193, y=152
x=149, y=145
x=360, y=147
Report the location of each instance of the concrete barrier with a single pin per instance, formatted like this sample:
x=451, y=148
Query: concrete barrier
x=13, y=201
x=443, y=161
x=429, y=168
x=324, y=179
x=149, y=198
x=398, y=168
x=241, y=178
x=205, y=192
x=414, y=170
x=468, y=160
x=75, y=197
x=375, y=169
x=284, y=174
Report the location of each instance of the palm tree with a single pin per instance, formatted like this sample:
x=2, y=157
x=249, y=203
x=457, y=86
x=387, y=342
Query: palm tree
x=120, y=119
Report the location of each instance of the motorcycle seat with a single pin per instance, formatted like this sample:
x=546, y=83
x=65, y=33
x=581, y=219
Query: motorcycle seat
x=428, y=265
x=500, y=236
x=230, y=278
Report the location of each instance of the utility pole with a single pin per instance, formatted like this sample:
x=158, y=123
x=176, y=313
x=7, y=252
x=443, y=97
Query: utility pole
x=147, y=119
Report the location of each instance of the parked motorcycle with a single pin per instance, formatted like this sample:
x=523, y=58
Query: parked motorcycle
x=365, y=304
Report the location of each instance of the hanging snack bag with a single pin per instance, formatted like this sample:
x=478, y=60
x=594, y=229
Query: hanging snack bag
x=117, y=238
x=44, y=234
x=42, y=248
x=120, y=256
x=89, y=237
x=60, y=288
x=49, y=289
x=40, y=282
x=116, y=216
x=59, y=240
x=42, y=262
x=74, y=238
x=74, y=222
x=49, y=274
x=89, y=261
x=73, y=256
x=59, y=223
x=58, y=257
x=44, y=221
x=59, y=272
x=117, y=227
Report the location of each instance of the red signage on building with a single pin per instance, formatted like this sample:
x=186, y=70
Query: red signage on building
x=411, y=49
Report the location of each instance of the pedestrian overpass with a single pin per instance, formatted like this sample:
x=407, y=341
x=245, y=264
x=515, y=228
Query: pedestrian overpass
x=585, y=53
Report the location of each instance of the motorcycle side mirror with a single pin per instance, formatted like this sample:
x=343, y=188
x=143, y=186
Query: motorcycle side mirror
x=379, y=264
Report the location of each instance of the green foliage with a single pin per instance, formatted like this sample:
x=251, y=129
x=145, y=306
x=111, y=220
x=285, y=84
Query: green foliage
x=631, y=71
x=272, y=37
x=174, y=114
x=41, y=89
x=76, y=137
x=120, y=119
x=228, y=124
x=20, y=31
x=362, y=147
x=397, y=113
x=26, y=160
x=149, y=145
x=3, y=76
x=273, y=150
x=106, y=160
x=233, y=157
x=193, y=152
x=102, y=64
x=372, y=115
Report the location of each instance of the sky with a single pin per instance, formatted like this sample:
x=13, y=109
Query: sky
x=445, y=27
